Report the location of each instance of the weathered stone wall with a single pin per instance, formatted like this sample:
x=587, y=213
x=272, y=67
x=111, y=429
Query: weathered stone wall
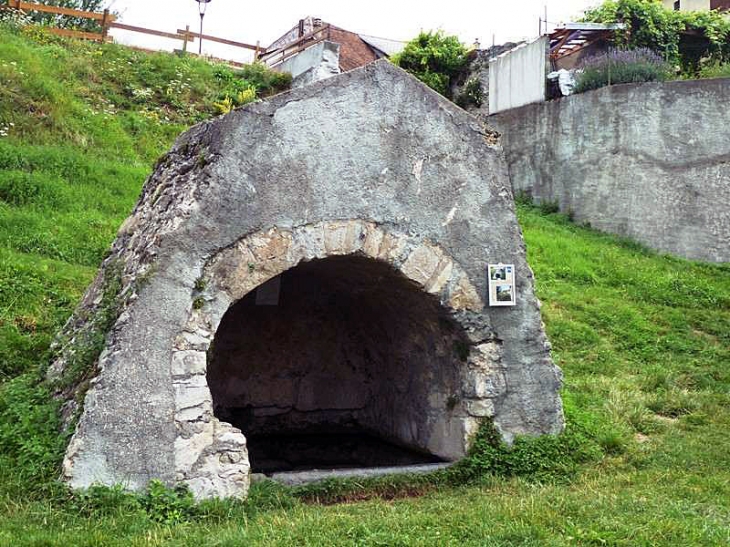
x=368, y=164
x=646, y=161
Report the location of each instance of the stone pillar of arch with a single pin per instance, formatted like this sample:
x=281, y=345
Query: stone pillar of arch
x=393, y=201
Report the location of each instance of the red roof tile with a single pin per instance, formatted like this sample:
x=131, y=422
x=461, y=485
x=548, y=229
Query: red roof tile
x=354, y=52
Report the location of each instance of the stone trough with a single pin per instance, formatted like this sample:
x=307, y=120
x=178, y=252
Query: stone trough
x=303, y=286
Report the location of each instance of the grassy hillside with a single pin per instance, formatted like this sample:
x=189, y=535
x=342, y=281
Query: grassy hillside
x=643, y=339
x=81, y=125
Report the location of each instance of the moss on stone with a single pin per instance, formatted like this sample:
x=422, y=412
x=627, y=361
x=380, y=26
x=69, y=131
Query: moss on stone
x=81, y=353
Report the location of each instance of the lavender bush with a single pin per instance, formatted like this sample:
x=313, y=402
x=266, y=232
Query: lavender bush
x=620, y=67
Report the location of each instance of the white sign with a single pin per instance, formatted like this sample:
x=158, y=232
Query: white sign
x=502, y=289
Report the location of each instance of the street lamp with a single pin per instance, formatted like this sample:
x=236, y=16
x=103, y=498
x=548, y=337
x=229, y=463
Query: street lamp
x=202, y=4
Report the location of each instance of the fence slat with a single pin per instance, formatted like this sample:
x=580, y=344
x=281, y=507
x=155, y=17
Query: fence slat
x=278, y=56
x=75, y=34
x=220, y=40
x=60, y=11
x=189, y=37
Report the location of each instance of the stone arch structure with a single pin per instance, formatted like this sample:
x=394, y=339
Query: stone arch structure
x=369, y=171
x=255, y=259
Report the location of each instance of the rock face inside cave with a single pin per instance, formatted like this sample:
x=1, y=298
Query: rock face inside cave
x=352, y=354
x=302, y=285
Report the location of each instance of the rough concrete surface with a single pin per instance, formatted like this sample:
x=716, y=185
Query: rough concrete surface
x=316, y=475
x=366, y=166
x=316, y=63
x=646, y=161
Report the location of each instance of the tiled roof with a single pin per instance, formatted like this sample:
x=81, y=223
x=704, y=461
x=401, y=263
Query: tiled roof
x=354, y=52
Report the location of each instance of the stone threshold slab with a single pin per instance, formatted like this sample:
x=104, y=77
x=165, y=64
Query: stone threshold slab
x=298, y=478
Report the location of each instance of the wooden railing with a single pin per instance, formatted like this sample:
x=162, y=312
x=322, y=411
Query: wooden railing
x=278, y=56
x=105, y=19
x=108, y=21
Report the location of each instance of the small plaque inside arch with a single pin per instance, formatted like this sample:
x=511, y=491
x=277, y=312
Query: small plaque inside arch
x=502, y=288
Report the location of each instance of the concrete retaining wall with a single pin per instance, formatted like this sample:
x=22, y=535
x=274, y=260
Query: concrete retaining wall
x=647, y=161
x=313, y=64
x=517, y=77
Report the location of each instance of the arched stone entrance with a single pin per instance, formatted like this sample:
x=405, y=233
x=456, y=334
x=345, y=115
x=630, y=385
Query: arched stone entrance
x=338, y=362
x=365, y=338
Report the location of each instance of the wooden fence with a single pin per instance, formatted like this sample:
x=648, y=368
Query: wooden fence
x=107, y=21
x=278, y=56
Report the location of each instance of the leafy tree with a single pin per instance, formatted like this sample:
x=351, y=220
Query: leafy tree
x=433, y=58
x=64, y=21
x=648, y=24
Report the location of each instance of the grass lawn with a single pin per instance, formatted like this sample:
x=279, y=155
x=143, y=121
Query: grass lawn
x=643, y=340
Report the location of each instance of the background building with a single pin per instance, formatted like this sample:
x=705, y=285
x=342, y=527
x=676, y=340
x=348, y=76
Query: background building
x=697, y=5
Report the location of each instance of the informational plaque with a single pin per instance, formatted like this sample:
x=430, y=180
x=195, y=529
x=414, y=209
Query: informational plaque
x=502, y=290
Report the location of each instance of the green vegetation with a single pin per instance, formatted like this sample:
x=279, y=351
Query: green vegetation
x=716, y=70
x=472, y=94
x=433, y=58
x=622, y=67
x=643, y=340
x=648, y=24
x=80, y=126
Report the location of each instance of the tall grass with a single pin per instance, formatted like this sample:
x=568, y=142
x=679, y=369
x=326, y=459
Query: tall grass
x=715, y=70
x=80, y=126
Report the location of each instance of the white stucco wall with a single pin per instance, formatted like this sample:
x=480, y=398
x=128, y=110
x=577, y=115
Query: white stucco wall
x=517, y=77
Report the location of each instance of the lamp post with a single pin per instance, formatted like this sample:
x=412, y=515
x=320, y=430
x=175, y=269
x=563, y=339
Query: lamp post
x=202, y=4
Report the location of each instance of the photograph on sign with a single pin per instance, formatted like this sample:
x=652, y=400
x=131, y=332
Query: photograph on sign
x=502, y=285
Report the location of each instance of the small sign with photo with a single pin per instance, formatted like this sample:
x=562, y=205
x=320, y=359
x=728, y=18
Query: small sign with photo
x=502, y=285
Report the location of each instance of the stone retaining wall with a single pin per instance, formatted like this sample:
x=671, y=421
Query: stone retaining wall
x=646, y=161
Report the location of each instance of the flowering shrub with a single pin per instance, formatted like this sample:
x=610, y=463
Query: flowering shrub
x=245, y=96
x=621, y=67
x=5, y=128
x=246, y=85
x=472, y=94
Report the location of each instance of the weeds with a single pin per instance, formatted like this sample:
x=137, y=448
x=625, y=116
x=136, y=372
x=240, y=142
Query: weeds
x=715, y=70
x=30, y=444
